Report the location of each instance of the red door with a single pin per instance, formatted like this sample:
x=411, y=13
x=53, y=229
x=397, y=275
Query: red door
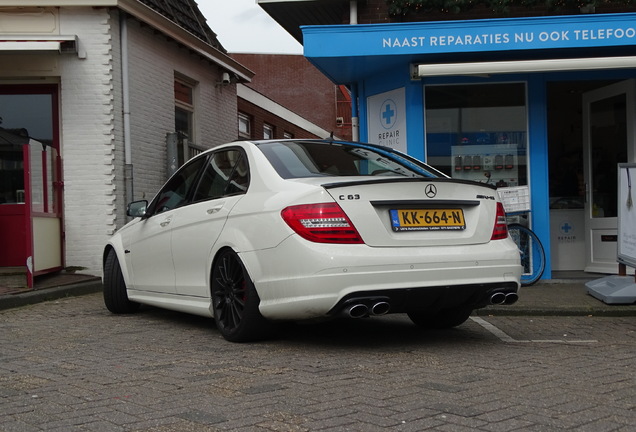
x=30, y=178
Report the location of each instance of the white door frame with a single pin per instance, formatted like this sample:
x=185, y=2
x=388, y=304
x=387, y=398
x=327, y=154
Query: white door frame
x=601, y=253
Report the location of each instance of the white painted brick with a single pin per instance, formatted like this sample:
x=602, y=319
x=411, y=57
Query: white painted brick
x=91, y=117
x=87, y=124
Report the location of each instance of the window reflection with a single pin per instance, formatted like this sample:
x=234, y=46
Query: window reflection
x=27, y=118
x=609, y=147
x=478, y=132
x=226, y=174
x=175, y=192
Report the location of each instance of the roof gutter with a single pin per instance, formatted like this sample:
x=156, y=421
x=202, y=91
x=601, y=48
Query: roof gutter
x=172, y=30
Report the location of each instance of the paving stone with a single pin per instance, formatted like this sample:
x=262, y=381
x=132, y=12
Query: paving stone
x=69, y=365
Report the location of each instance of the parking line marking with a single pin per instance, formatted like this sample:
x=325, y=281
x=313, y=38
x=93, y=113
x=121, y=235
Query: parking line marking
x=494, y=330
x=504, y=337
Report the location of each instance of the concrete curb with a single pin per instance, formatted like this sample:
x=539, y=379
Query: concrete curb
x=564, y=298
x=10, y=301
x=608, y=311
x=560, y=297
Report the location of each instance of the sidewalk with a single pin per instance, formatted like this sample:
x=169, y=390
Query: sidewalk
x=50, y=288
x=565, y=297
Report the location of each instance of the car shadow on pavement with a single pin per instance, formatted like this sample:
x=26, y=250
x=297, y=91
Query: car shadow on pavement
x=377, y=332
x=370, y=333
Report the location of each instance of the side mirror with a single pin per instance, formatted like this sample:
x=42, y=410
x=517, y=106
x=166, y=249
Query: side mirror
x=137, y=208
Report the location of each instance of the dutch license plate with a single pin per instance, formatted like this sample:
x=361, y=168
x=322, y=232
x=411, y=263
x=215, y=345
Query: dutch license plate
x=427, y=220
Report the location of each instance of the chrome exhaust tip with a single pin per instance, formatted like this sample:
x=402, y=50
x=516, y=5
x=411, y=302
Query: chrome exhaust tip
x=511, y=298
x=380, y=308
x=498, y=298
x=358, y=311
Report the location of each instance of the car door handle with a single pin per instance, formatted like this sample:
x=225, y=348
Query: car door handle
x=215, y=209
x=165, y=222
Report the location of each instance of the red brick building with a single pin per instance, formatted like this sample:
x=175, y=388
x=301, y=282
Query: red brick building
x=289, y=98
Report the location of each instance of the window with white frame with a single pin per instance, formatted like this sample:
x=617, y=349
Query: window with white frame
x=244, y=126
x=268, y=131
x=184, y=116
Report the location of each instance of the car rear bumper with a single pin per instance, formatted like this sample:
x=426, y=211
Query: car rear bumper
x=301, y=280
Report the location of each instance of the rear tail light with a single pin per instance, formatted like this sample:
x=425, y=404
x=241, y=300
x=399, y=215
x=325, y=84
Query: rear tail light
x=321, y=223
x=500, y=231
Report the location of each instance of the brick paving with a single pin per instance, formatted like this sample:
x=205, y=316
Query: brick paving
x=69, y=365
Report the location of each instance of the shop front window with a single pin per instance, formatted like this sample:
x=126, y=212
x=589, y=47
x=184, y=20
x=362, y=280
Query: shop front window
x=478, y=132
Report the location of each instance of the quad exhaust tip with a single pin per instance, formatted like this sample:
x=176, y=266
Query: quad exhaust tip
x=377, y=308
x=500, y=298
x=360, y=310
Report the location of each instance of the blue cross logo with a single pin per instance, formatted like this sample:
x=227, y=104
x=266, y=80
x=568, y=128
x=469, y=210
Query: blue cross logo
x=566, y=227
x=388, y=114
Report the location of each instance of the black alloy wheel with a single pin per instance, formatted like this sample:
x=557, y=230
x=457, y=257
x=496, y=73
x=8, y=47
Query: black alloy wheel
x=115, y=294
x=235, y=301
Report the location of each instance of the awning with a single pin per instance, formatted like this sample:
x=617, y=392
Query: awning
x=350, y=53
x=57, y=43
x=292, y=14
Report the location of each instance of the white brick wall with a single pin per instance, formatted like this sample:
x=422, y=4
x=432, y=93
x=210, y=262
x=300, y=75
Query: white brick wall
x=119, y=184
x=91, y=118
x=88, y=137
x=153, y=62
x=92, y=122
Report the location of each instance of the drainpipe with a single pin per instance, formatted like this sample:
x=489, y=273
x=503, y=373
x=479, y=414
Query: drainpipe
x=128, y=167
x=355, y=120
x=353, y=12
x=355, y=126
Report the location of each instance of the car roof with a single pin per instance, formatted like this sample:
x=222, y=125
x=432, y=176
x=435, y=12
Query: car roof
x=322, y=141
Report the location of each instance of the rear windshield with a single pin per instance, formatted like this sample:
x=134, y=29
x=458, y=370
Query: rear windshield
x=297, y=159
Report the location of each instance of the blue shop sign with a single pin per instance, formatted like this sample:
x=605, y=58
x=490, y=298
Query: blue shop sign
x=581, y=31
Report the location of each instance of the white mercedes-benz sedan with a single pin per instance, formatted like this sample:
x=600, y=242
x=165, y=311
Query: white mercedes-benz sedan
x=256, y=232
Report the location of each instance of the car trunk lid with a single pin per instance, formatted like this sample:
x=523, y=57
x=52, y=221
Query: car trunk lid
x=406, y=212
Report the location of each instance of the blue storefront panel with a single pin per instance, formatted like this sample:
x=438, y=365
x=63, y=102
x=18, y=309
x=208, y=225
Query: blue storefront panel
x=379, y=59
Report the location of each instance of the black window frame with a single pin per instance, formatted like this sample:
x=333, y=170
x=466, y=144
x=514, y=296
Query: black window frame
x=169, y=185
x=242, y=158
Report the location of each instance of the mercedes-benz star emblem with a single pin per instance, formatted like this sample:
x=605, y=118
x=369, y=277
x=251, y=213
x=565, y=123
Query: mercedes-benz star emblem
x=430, y=190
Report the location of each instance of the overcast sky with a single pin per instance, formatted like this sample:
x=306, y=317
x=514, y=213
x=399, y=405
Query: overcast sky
x=243, y=27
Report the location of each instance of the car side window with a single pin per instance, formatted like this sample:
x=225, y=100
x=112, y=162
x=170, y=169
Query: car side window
x=239, y=181
x=175, y=192
x=226, y=174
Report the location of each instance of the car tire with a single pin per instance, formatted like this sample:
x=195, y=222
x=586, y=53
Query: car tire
x=235, y=301
x=115, y=294
x=444, y=319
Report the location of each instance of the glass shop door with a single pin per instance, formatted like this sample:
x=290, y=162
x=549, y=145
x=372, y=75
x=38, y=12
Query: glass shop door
x=609, y=139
